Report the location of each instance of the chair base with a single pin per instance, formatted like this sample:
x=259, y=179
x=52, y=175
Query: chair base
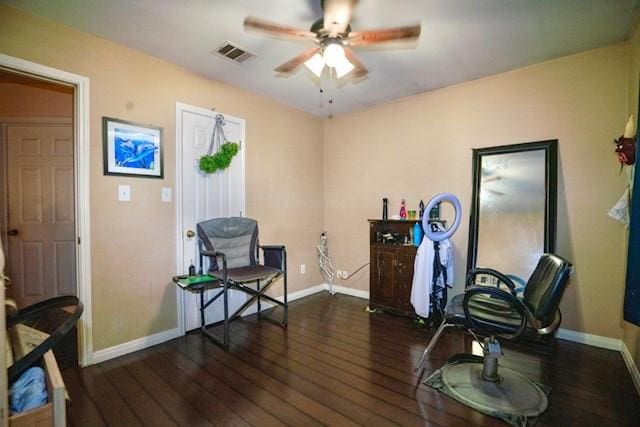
x=512, y=395
x=255, y=296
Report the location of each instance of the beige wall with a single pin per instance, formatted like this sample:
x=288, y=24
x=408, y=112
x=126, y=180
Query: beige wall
x=133, y=244
x=22, y=100
x=632, y=332
x=419, y=146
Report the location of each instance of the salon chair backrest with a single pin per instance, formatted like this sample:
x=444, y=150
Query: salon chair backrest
x=545, y=287
x=236, y=237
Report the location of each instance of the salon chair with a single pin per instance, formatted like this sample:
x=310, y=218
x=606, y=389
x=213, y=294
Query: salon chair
x=233, y=250
x=492, y=312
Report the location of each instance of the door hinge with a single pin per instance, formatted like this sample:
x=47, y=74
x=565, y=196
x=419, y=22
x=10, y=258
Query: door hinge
x=240, y=144
x=78, y=240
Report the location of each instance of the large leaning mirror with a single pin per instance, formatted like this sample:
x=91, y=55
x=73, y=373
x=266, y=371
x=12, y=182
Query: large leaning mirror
x=513, y=211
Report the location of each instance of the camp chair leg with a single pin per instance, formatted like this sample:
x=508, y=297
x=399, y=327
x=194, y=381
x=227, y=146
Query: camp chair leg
x=258, y=298
x=286, y=304
x=226, y=315
x=202, y=308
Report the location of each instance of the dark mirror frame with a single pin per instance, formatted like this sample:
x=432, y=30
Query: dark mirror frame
x=551, y=193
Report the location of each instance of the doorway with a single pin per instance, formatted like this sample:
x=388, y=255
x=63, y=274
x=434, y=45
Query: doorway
x=74, y=206
x=201, y=196
x=38, y=197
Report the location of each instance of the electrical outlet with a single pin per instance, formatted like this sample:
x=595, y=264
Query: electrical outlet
x=303, y=268
x=345, y=274
x=339, y=274
x=165, y=194
x=124, y=193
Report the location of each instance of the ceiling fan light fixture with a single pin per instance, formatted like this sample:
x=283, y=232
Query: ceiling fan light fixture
x=343, y=68
x=315, y=64
x=333, y=54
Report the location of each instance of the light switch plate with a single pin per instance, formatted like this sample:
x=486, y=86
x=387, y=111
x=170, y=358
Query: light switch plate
x=166, y=194
x=124, y=193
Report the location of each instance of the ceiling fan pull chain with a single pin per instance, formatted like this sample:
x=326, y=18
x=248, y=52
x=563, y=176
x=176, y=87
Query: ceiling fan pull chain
x=217, y=136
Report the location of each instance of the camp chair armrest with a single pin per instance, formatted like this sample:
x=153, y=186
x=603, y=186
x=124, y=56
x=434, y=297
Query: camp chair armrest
x=272, y=247
x=212, y=253
x=275, y=256
x=471, y=275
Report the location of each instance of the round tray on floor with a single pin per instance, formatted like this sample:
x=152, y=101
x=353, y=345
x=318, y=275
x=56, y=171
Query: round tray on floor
x=514, y=394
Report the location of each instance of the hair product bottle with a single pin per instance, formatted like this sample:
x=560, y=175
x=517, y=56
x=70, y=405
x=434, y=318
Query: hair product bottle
x=403, y=210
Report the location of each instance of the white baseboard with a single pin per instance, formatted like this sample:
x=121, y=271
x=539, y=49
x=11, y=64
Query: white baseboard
x=304, y=293
x=291, y=297
x=348, y=291
x=310, y=291
x=133, y=345
x=589, y=339
x=631, y=365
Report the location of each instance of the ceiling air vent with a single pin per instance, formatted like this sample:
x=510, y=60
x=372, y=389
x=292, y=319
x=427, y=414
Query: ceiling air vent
x=233, y=52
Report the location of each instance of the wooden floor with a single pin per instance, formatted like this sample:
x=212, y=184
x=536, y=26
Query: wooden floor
x=335, y=365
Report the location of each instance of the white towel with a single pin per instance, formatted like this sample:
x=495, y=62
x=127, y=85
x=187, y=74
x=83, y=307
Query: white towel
x=423, y=274
x=620, y=211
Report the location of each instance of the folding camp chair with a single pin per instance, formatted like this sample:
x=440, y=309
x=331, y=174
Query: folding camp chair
x=232, y=246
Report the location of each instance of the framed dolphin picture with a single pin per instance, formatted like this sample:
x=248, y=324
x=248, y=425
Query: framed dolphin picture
x=132, y=149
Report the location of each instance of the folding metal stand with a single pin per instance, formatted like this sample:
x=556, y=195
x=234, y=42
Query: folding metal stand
x=226, y=284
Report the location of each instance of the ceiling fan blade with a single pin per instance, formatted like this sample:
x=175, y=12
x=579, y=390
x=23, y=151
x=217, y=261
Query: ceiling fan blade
x=276, y=30
x=362, y=38
x=291, y=65
x=359, y=69
x=337, y=15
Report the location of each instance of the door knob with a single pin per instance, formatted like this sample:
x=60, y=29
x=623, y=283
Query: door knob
x=190, y=233
x=12, y=232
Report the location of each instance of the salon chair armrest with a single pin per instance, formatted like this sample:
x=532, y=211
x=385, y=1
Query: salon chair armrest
x=493, y=311
x=471, y=275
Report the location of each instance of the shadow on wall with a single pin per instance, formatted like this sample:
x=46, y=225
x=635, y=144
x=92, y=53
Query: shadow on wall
x=160, y=321
x=571, y=314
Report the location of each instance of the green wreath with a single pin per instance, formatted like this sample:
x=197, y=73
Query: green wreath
x=210, y=163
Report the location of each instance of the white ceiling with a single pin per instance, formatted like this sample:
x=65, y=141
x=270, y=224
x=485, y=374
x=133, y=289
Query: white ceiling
x=461, y=39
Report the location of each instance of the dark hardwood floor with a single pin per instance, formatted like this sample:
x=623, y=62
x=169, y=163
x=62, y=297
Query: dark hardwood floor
x=334, y=365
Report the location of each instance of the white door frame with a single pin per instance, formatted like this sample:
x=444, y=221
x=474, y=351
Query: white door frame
x=82, y=175
x=180, y=109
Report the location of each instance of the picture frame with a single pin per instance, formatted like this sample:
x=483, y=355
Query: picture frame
x=132, y=149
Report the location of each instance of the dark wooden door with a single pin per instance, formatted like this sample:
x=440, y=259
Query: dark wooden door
x=382, y=289
x=404, y=279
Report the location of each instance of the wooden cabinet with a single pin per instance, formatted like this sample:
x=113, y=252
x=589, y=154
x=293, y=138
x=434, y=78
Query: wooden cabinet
x=391, y=266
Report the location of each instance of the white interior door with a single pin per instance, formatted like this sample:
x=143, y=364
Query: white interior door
x=207, y=196
x=41, y=207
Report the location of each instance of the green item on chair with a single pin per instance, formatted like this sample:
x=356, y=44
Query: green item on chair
x=187, y=281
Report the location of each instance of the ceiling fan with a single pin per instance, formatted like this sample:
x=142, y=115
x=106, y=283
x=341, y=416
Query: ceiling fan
x=333, y=38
